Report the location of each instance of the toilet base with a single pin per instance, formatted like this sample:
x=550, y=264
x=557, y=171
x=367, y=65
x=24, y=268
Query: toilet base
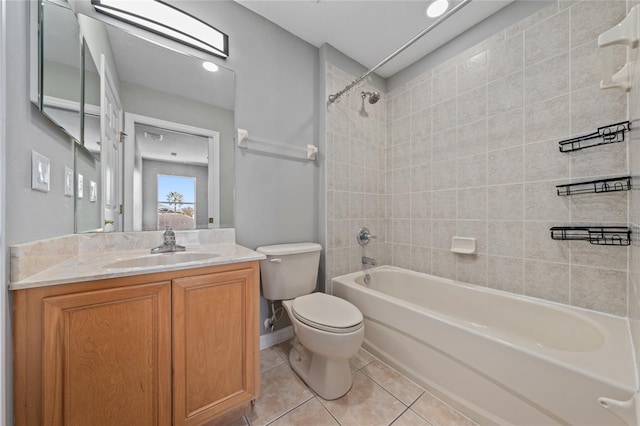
x=329, y=378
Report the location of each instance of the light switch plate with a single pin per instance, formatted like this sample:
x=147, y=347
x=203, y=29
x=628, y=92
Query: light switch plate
x=68, y=182
x=80, y=186
x=40, y=172
x=93, y=191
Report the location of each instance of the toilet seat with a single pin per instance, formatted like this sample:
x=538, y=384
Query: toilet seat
x=327, y=313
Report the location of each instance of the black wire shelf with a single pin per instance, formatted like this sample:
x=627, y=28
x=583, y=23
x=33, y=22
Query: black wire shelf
x=622, y=183
x=598, y=235
x=612, y=133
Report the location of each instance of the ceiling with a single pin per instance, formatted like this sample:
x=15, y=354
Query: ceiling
x=158, y=67
x=370, y=30
x=160, y=144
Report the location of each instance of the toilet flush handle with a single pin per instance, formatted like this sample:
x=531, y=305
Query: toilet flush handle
x=276, y=260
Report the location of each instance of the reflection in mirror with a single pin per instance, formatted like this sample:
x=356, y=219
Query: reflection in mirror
x=88, y=216
x=91, y=119
x=60, y=61
x=175, y=177
x=172, y=91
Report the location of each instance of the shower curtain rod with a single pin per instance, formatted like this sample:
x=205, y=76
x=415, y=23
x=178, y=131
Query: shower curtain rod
x=458, y=7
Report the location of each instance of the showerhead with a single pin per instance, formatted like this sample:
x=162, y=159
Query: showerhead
x=373, y=97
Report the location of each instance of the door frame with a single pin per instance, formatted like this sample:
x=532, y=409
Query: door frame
x=213, y=184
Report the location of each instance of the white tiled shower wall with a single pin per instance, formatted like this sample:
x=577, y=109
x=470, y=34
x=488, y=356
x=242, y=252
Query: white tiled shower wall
x=634, y=208
x=355, y=141
x=470, y=148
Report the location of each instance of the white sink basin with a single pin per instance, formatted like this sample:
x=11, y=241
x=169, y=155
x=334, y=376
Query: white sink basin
x=160, y=259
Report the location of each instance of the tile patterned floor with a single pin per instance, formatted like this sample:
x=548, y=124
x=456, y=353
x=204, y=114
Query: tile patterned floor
x=379, y=396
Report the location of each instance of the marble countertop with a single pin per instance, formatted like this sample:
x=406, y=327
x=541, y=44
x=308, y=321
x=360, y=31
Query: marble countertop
x=99, y=265
x=78, y=258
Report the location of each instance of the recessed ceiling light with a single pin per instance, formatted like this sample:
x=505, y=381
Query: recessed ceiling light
x=210, y=66
x=437, y=8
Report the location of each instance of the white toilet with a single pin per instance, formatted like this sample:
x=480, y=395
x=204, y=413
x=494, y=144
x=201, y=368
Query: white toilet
x=328, y=330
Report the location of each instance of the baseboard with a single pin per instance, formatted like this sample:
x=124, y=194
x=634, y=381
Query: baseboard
x=271, y=339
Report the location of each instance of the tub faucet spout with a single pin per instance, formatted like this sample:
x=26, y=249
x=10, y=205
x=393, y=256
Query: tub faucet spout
x=368, y=261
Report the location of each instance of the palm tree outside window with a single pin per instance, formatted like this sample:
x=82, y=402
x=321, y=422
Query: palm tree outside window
x=176, y=202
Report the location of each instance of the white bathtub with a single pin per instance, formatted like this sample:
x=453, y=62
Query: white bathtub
x=499, y=358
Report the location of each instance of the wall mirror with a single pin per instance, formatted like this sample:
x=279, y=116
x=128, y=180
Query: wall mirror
x=150, y=109
x=56, y=65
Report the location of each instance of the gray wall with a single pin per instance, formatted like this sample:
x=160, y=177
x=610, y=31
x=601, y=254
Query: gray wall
x=34, y=215
x=277, y=199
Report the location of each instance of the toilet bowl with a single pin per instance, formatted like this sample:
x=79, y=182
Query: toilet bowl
x=324, y=343
x=328, y=330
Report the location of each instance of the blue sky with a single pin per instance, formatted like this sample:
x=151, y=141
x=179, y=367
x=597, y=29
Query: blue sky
x=184, y=185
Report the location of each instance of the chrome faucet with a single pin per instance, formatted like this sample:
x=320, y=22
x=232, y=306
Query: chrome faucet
x=368, y=261
x=363, y=236
x=169, y=244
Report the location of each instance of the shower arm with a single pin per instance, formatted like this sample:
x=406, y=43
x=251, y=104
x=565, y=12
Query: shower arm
x=334, y=97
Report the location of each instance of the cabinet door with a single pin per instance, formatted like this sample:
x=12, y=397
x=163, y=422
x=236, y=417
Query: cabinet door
x=215, y=348
x=106, y=357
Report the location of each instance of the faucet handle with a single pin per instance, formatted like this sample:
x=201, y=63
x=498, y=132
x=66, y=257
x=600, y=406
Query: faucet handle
x=363, y=236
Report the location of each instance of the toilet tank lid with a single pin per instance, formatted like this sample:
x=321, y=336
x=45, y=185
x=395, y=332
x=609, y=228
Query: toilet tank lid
x=283, y=249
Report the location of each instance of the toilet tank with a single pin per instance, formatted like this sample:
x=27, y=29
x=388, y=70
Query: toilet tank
x=290, y=270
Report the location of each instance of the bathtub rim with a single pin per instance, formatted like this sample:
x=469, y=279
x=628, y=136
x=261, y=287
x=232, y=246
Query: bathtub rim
x=632, y=385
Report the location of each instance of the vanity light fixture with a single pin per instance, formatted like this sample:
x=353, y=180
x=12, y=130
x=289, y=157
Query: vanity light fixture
x=437, y=8
x=168, y=21
x=210, y=66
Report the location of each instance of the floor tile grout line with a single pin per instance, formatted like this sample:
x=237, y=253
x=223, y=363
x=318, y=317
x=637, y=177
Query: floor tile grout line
x=398, y=372
x=399, y=415
x=272, y=367
x=360, y=369
x=388, y=391
x=418, y=414
x=450, y=407
x=291, y=409
x=320, y=400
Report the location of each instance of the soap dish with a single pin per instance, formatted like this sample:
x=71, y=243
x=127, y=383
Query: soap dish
x=463, y=245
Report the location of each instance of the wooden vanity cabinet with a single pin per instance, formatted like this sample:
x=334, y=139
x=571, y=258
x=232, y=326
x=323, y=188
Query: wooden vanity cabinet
x=215, y=344
x=177, y=347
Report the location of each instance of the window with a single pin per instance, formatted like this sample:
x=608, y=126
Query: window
x=176, y=202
